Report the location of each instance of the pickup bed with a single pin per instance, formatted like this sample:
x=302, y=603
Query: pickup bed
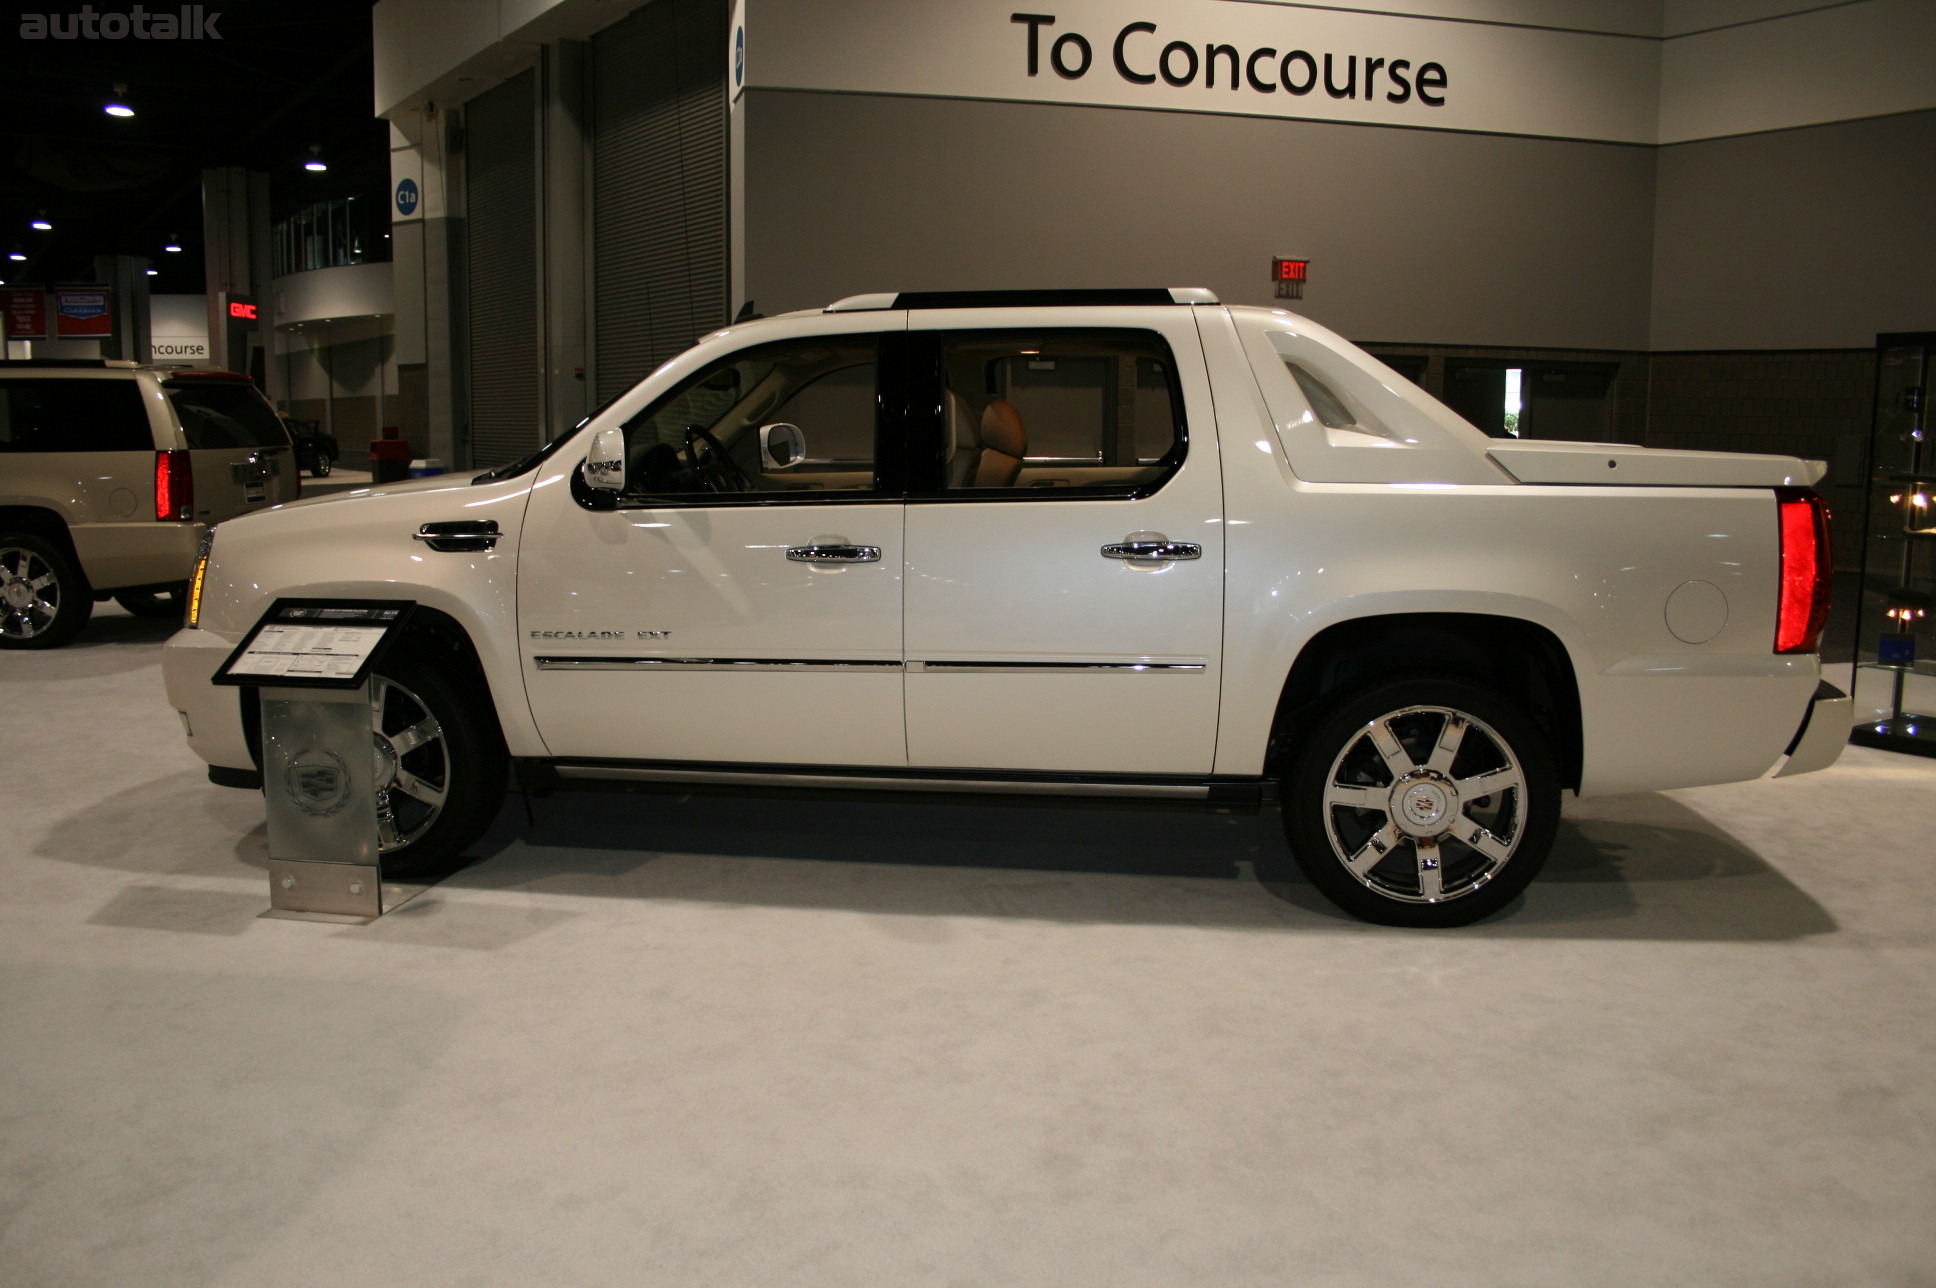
x=1110, y=544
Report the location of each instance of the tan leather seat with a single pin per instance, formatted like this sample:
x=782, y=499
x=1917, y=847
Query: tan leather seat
x=1003, y=445
x=964, y=441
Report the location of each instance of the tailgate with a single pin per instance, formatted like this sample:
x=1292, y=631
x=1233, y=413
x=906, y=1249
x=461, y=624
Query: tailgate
x=241, y=452
x=234, y=480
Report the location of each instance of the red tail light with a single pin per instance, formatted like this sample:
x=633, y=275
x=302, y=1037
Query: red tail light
x=1806, y=567
x=174, y=486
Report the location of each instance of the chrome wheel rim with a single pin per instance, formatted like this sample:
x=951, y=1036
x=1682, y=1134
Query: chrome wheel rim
x=30, y=594
x=1425, y=804
x=412, y=764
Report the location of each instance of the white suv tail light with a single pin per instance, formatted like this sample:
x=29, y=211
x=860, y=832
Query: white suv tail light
x=1807, y=565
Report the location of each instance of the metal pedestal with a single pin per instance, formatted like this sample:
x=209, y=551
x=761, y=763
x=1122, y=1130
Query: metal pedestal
x=318, y=768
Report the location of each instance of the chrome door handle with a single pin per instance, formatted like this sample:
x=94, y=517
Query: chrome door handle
x=1153, y=551
x=834, y=554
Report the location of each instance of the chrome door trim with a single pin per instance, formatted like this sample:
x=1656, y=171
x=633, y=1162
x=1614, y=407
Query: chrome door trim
x=609, y=663
x=884, y=783
x=970, y=667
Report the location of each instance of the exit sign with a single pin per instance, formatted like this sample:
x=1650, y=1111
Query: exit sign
x=1289, y=276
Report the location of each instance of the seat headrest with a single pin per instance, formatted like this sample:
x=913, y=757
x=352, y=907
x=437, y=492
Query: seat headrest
x=1001, y=428
x=961, y=424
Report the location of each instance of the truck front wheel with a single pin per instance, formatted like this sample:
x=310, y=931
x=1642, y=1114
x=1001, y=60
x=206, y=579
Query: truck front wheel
x=440, y=760
x=1421, y=801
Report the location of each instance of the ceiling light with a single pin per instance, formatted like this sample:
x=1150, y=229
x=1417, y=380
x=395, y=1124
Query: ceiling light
x=115, y=106
x=16, y=256
x=174, y=245
x=315, y=161
x=154, y=272
x=41, y=226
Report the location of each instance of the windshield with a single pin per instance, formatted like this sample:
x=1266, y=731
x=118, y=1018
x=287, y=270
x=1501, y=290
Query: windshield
x=225, y=413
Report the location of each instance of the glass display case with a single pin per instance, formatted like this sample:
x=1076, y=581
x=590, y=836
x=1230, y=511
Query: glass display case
x=1895, y=629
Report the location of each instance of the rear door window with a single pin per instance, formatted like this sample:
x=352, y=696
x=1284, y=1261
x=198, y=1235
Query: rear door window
x=42, y=415
x=225, y=413
x=1061, y=411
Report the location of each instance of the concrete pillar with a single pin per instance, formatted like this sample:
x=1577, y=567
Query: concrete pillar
x=564, y=180
x=235, y=246
x=424, y=241
x=126, y=277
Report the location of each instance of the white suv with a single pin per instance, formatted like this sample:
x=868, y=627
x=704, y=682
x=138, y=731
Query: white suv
x=1105, y=544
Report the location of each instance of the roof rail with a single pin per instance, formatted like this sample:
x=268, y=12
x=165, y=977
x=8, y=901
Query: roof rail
x=1022, y=299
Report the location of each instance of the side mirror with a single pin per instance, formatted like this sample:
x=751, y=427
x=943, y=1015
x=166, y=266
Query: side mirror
x=787, y=452
x=605, y=466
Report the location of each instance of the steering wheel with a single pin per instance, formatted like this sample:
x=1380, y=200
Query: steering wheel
x=719, y=472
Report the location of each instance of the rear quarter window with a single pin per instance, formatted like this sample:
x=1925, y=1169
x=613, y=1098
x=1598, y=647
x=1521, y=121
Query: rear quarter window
x=43, y=415
x=225, y=413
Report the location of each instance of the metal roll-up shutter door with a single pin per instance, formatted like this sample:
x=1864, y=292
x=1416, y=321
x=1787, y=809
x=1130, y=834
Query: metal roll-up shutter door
x=658, y=186
x=501, y=223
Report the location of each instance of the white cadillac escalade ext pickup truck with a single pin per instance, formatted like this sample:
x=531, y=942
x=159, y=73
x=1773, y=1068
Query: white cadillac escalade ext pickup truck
x=1116, y=544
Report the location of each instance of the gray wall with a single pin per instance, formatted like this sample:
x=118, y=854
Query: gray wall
x=1810, y=238
x=1414, y=235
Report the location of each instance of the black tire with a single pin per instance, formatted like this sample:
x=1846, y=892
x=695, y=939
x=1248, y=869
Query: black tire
x=319, y=467
x=44, y=599
x=464, y=758
x=155, y=603
x=1422, y=849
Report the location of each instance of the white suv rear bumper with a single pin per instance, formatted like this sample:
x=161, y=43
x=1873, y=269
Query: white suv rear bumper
x=1819, y=742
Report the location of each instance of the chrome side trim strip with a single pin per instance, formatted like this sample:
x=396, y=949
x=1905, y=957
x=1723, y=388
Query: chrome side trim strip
x=621, y=663
x=969, y=667
x=986, y=786
x=597, y=663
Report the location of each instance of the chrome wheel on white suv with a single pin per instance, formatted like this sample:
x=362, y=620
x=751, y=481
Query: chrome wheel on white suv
x=1422, y=802
x=440, y=763
x=412, y=764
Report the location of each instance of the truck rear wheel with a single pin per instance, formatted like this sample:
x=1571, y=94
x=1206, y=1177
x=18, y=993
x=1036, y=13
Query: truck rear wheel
x=1422, y=801
x=44, y=600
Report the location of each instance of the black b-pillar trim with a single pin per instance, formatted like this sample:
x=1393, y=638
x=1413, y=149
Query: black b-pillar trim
x=925, y=424
x=891, y=416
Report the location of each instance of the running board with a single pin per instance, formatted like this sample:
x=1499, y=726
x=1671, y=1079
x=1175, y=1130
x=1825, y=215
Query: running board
x=1218, y=793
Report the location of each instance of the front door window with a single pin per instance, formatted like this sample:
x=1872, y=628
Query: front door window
x=797, y=416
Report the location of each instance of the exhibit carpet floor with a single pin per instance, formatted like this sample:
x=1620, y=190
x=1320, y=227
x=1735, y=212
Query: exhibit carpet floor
x=698, y=1041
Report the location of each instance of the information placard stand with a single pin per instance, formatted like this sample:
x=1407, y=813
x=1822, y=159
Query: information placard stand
x=311, y=661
